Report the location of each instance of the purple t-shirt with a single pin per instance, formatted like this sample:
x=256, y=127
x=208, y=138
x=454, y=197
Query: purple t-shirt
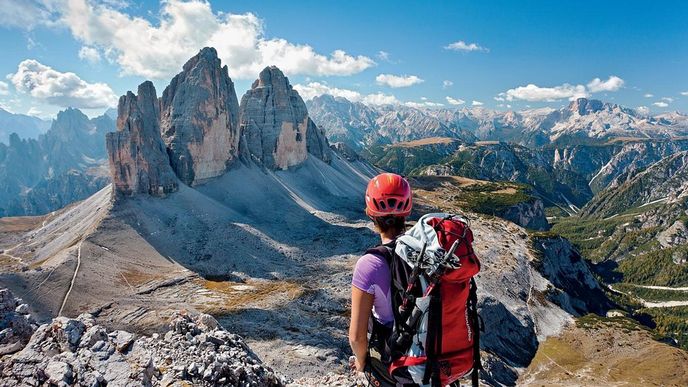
x=373, y=277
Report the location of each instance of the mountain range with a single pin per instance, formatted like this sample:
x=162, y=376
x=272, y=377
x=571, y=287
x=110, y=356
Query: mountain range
x=582, y=121
x=62, y=165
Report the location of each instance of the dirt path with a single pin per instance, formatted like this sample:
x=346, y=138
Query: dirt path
x=649, y=304
x=678, y=289
x=71, y=284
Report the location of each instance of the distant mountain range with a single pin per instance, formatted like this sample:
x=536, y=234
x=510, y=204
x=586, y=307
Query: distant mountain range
x=583, y=121
x=24, y=126
x=63, y=165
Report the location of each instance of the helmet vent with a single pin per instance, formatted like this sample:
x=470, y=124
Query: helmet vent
x=391, y=202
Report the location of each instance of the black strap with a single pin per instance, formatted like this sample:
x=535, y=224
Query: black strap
x=473, y=305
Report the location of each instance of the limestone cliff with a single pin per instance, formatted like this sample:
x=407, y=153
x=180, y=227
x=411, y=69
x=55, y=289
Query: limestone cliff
x=137, y=155
x=275, y=124
x=199, y=119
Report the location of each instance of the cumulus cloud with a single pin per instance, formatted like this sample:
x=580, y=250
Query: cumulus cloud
x=423, y=104
x=380, y=99
x=89, y=54
x=4, y=88
x=455, y=101
x=27, y=14
x=476, y=103
x=643, y=110
x=668, y=99
x=535, y=93
x=314, y=89
x=396, y=81
x=614, y=83
x=648, y=95
x=532, y=93
x=158, y=51
x=447, y=84
x=661, y=104
x=466, y=47
x=684, y=93
x=60, y=89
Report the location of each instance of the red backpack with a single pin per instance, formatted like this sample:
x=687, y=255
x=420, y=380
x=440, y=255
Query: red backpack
x=436, y=332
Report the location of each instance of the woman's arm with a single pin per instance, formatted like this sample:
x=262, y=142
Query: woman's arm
x=361, y=307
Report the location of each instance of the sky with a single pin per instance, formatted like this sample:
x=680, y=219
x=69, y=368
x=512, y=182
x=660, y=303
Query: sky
x=498, y=54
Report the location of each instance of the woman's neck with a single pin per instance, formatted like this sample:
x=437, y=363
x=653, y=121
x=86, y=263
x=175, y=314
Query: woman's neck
x=387, y=238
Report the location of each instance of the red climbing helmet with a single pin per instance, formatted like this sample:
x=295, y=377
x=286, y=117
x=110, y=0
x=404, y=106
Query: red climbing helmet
x=388, y=194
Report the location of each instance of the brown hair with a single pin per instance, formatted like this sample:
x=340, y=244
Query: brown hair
x=390, y=225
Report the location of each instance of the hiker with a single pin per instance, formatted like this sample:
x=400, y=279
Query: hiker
x=388, y=203
x=422, y=277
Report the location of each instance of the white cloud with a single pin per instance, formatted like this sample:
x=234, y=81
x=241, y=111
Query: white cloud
x=535, y=93
x=380, y=99
x=60, y=89
x=643, y=110
x=89, y=54
x=27, y=14
x=532, y=93
x=476, y=103
x=614, y=83
x=314, y=89
x=667, y=99
x=648, y=95
x=661, y=104
x=684, y=93
x=455, y=101
x=159, y=51
x=447, y=84
x=396, y=81
x=4, y=88
x=463, y=46
x=423, y=104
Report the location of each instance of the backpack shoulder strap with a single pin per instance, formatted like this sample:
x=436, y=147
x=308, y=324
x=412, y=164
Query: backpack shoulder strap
x=385, y=251
x=473, y=310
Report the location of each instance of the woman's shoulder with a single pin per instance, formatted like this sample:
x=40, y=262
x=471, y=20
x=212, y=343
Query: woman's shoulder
x=371, y=261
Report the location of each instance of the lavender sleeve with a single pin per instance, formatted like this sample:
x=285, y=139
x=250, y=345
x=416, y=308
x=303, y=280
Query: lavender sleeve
x=370, y=271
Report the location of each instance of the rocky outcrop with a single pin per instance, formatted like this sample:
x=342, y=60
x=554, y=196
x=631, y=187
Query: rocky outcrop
x=345, y=151
x=16, y=324
x=199, y=119
x=278, y=133
x=137, y=154
x=195, y=351
x=529, y=214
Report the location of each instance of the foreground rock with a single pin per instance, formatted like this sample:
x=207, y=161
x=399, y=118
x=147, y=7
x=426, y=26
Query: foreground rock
x=196, y=350
x=16, y=324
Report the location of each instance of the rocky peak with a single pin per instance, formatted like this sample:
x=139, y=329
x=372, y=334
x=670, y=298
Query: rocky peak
x=278, y=133
x=585, y=106
x=137, y=155
x=199, y=119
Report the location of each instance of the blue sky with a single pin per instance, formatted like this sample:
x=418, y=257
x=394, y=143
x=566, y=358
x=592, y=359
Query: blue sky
x=501, y=54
